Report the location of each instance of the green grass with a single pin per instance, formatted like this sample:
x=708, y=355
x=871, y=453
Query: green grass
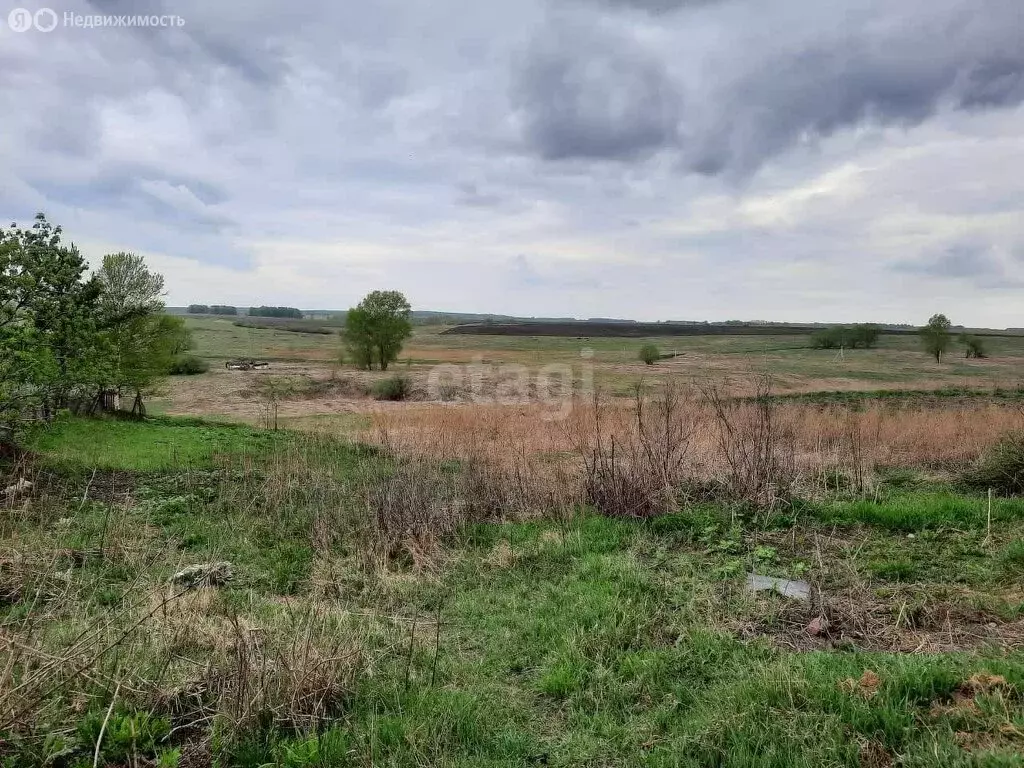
x=922, y=511
x=585, y=641
x=153, y=444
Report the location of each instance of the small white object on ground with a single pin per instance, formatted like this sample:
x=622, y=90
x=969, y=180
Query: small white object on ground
x=797, y=590
x=213, y=574
x=22, y=486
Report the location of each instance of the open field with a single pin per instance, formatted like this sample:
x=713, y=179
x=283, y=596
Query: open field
x=477, y=576
x=973, y=400
x=601, y=329
x=366, y=620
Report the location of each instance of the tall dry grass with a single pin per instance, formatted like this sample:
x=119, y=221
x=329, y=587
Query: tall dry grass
x=821, y=438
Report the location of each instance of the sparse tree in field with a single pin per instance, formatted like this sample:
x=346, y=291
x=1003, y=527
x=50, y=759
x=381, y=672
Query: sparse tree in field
x=649, y=354
x=974, y=347
x=935, y=336
x=376, y=329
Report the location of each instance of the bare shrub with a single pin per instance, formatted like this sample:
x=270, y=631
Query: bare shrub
x=636, y=472
x=1001, y=468
x=756, y=446
x=410, y=510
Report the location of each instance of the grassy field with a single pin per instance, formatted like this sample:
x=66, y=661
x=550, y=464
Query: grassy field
x=365, y=622
x=897, y=363
x=464, y=581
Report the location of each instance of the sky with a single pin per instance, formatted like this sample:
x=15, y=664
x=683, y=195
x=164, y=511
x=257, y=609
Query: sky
x=792, y=160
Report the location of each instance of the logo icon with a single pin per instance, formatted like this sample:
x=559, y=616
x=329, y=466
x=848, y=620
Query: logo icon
x=20, y=19
x=45, y=20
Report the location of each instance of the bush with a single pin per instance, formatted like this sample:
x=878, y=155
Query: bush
x=974, y=347
x=1002, y=467
x=393, y=388
x=649, y=354
x=188, y=365
x=861, y=335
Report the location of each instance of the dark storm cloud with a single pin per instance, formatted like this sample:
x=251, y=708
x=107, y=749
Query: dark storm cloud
x=586, y=93
x=900, y=69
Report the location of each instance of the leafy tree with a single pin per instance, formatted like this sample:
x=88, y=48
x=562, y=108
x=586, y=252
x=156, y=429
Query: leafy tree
x=129, y=288
x=143, y=342
x=974, y=346
x=863, y=335
x=179, y=335
x=24, y=362
x=935, y=336
x=377, y=327
x=649, y=354
x=49, y=340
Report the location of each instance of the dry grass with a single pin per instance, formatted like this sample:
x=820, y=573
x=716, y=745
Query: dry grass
x=823, y=439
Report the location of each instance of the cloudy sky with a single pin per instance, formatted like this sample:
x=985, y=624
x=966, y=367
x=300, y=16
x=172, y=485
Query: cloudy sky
x=657, y=159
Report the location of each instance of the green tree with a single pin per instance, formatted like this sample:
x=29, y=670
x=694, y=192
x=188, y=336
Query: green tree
x=864, y=335
x=974, y=347
x=49, y=340
x=179, y=335
x=142, y=341
x=935, y=336
x=649, y=354
x=129, y=288
x=377, y=327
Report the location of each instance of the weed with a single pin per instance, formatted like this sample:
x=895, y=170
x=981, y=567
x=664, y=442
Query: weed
x=397, y=387
x=188, y=365
x=1002, y=467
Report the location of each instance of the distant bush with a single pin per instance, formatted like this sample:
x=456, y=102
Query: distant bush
x=265, y=311
x=649, y=354
x=188, y=365
x=861, y=335
x=1002, y=467
x=393, y=388
x=973, y=347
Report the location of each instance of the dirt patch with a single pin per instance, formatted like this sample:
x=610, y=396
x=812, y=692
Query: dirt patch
x=863, y=619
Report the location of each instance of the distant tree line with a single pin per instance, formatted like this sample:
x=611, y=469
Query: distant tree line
x=214, y=309
x=291, y=312
x=860, y=335
x=69, y=339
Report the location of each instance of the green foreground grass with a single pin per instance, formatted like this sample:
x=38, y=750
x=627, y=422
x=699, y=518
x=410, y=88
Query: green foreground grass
x=576, y=641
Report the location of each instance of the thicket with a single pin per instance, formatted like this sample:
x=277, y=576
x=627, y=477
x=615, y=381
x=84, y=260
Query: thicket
x=861, y=335
x=70, y=339
x=264, y=311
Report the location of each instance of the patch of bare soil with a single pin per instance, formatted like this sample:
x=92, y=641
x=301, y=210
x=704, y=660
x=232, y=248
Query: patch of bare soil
x=906, y=619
